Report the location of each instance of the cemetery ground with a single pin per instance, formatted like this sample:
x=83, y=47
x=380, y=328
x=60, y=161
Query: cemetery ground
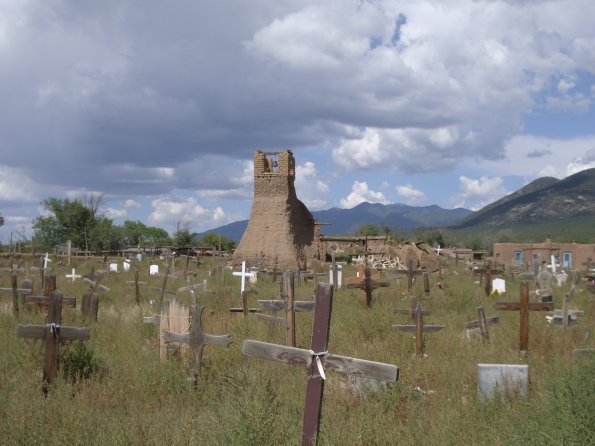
x=114, y=389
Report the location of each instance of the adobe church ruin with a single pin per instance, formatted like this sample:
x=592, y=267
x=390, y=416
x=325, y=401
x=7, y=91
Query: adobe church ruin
x=281, y=231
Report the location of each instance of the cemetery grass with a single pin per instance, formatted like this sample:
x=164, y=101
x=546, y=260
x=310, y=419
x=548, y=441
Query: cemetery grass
x=113, y=389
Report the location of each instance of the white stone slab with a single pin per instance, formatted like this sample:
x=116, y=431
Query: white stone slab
x=113, y=267
x=339, y=276
x=153, y=269
x=507, y=379
x=126, y=265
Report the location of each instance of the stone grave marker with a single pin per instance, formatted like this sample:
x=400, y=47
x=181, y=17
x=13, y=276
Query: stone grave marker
x=509, y=380
x=153, y=270
x=523, y=307
x=113, y=267
x=317, y=361
x=498, y=286
x=53, y=332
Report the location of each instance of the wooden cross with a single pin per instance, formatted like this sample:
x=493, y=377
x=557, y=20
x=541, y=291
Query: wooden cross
x=317, y=361
x=524, y=307
x=412, y=311
x=410, y=272
x=289, y=305
x=565, y=312
x=53, y=333
x=15, y=291
x=486, y=275
x=366, y=283
x=73, y=276
x=482, y=322
x=243, y=274
x=418, y=327
x=197, y=339
x=244, y=308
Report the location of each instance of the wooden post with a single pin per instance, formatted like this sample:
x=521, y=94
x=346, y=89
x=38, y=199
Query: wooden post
x=523, y=307
x=162, y=292
x=317, y=360
x=289, y=310
x=136, y=288
x=244, y=308
x=197, y=339
x=482, y=322
x=418, y=327
x=53, y=332
x=426, y=279
x=90, y=306
x=15, y=296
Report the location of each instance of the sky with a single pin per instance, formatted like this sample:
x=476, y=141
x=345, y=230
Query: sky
x=159, y=106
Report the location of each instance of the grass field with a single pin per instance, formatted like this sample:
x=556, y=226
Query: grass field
x=114, y=390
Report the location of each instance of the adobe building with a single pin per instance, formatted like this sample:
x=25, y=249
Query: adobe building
x=281, y=231
x=568, y=255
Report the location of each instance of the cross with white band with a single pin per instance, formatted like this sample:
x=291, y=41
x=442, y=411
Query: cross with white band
x=244, y=275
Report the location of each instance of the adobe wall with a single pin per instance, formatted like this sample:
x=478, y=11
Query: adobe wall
x=281, y=230
x=504, y=252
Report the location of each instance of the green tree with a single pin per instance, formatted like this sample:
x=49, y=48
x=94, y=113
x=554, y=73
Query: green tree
x=368, y=229
x=212, y=239
x=432, y=237
x=1, y=220
x=183, y=238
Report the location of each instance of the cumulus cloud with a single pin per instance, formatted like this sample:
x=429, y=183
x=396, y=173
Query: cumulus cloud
x=113, y=214
x=310, y=189
x=171, y=213
x=477, y=193
x=132, y=204
x=16, y=187
x=410, y=194
x=360, y=192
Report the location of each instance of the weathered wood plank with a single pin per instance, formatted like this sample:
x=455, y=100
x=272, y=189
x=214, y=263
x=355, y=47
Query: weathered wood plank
x=412, y=328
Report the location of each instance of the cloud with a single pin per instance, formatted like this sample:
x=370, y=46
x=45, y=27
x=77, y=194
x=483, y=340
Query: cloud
x=537, y=153
x=15, y=186
x=310, y=189
x=132, y=204
x=113, y=214
x=477, y=193
x=171, y=213
x=360, y=192
x=410, y=194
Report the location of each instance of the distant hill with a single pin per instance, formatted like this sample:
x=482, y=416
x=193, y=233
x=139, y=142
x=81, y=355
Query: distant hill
x=563, y=208
x=346, y=221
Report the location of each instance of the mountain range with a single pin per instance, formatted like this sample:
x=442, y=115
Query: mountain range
x=546, y=205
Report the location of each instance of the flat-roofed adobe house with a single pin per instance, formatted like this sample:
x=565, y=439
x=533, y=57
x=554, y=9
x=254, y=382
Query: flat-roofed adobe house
x=568, y=255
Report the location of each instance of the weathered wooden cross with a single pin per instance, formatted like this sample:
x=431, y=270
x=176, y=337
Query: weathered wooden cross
x=524, y=307
x=482, y=322
x=174, y=317
x=366, y=283
x=53, y=333
x=244, y=308
x=197, y=339
x=418, y=327
x=15, y=293
x=289, y=305
x=486, y=274
x=317, y=360
x=565, y=313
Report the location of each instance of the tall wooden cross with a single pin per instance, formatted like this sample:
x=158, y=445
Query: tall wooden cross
x=482, y=322
x=366, y=283
x=524, y=307
x=317, y=361
x=418, y=327
x=53, y=333
x=486, y=275
x=197, y=339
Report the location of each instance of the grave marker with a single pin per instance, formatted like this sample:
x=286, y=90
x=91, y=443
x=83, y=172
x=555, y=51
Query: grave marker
x=418, y=327
x=244, y=309
x=243, y=275
x=366, y=283
x=317, y=360
x=197, y=339
x=73, y=275
x=153, y=270
x=53, y=333
x=506, y=379
x=482, y=323
x=523, y=307
x=486, y=275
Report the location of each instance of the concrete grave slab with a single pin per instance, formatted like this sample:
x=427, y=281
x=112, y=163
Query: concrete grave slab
x=509, y=380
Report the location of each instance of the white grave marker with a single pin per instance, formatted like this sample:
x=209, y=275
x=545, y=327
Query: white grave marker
x=126, y=265
x=46, y=259
x=73, y=276
x=113, y=267
x=153, y=269
x=339, y=276
x=507, y=379
x=561, y=278
x=243, y=274
x=499, y=285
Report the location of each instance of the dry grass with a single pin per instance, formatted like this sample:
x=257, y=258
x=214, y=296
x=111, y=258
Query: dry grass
x=133, y=398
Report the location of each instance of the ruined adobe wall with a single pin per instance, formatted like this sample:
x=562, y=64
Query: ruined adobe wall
x=281, y=229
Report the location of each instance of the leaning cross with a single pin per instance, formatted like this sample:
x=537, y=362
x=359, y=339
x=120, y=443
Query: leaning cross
x=197, y=339
x=524, y=307
x=53, y=333
x=244, y=274
x=418, y=327
x=482, y=322
x=317, y=360
x=366, y=282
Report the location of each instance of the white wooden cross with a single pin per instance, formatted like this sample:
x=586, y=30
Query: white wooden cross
x=244, y=274
x=46, y=259
x=73, y=276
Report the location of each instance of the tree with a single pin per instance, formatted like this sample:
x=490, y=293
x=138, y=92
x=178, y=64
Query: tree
x=136, y=233
x=368, y=229
x=1, y=220
x=183, y=238
x=212, y=239
x=431, y=237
